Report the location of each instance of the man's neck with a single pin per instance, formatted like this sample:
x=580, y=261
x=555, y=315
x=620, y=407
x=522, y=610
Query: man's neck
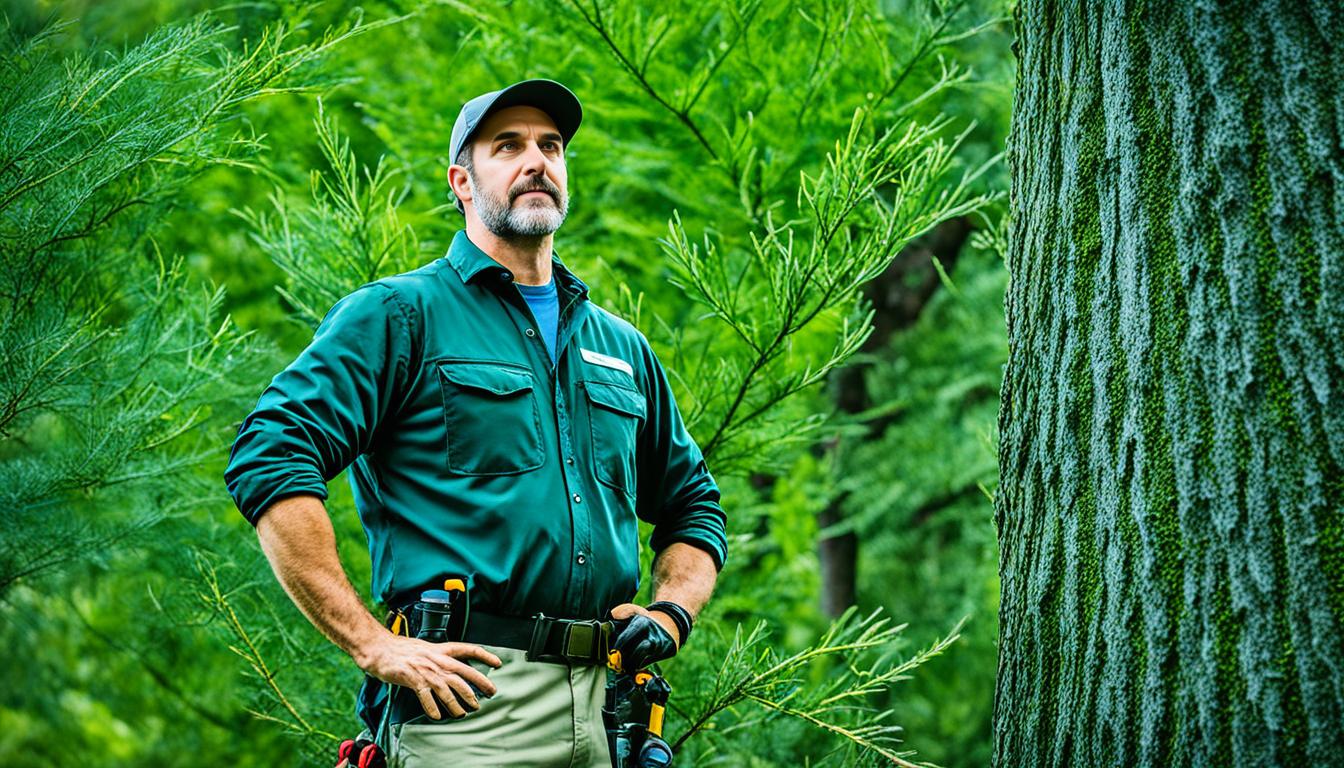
x=528, y=258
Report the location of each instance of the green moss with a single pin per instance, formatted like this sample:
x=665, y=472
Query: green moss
x=1051, y=660
x=1308, y=265
x=1269, y=370
x=1170, y=322
x=1139, y=647
x=1330, y=541
x=1285, y=660
x=1089, y=569
x=1230, y=686
x=1085, y=237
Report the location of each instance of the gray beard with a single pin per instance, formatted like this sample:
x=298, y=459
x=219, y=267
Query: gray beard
x=529, y=220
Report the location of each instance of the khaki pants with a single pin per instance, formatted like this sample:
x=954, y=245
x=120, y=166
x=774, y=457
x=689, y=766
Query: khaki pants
x=545, y=715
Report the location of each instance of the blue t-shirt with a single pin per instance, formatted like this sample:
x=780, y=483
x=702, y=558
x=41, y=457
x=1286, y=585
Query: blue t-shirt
x=544, y=302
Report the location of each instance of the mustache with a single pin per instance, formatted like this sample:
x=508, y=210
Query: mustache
x=540, y=185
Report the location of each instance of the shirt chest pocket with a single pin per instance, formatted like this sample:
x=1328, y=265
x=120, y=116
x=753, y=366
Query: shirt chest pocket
x=615, y=414
x=491, y=414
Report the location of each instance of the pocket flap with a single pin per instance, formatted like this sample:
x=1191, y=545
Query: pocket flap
x=490, y=377
x=616, y=398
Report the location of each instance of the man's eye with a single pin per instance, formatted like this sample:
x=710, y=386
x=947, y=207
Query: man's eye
x=506, y=145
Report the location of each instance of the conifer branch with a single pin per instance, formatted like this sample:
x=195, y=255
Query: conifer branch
x=752, y=671
x=217, y=600
x=350, y=234
x=682, y=112
x=868, y=202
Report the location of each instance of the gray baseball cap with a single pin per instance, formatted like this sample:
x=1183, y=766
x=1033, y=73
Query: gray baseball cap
x=547, y=95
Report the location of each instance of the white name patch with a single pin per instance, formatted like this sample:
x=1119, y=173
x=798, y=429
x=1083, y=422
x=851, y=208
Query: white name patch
x=597, y=358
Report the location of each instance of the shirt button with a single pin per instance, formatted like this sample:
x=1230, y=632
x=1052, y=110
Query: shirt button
x=505, y=276
x=580, y=559
x=577, y=499
x=570, y=460
x=530, y=332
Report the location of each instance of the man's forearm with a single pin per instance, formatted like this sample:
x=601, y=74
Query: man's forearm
x=298, y=539
x=685, y=575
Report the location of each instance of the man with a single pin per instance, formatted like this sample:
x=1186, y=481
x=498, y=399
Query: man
x=501, y=429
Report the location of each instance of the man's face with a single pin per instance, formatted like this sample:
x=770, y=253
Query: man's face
x=518, y=182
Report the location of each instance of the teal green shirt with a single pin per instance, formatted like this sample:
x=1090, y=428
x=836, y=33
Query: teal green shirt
x=470, y=454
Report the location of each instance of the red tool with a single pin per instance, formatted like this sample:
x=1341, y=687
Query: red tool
x=360, y=754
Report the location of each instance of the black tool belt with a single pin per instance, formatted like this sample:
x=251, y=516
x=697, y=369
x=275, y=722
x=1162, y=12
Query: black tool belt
x=545, y=638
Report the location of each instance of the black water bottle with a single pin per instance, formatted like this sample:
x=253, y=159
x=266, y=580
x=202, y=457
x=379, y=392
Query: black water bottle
x=441, y=613
x=441, y=617
x=436, y=614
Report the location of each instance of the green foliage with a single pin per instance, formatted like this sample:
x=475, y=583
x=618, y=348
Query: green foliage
x=742, y=171
x=109, y=352
x=351, y=232
x=825, y=685
x=779, y=287
x=929, y=523
x=118, y=365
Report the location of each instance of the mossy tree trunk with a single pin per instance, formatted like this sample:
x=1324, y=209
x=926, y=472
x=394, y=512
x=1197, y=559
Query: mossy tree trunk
x=1171, y=506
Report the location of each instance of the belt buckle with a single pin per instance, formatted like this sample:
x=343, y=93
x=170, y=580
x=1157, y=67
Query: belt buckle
x=541, y=630
x=581, y=640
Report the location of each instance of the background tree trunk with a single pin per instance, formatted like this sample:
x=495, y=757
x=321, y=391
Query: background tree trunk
x=1171, y=506
x=897, y=296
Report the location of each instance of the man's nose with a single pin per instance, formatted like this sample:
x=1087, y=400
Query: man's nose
x=534, y=160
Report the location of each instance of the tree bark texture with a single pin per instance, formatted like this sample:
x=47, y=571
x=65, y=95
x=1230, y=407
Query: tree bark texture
x=1171, y=503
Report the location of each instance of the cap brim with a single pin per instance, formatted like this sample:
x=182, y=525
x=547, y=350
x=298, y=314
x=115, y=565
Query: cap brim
x=547, y=95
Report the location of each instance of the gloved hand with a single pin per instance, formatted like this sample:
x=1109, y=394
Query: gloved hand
x=640, y=639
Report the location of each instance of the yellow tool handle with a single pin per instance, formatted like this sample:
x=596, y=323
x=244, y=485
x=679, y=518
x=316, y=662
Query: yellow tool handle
x=656, y=720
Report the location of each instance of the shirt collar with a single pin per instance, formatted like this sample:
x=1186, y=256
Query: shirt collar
x=472, y=264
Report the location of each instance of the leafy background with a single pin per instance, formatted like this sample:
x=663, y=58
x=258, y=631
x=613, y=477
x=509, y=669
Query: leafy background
x=186, y=189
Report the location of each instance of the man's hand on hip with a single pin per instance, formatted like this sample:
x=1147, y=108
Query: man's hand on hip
x=643, y=637
x=437, y=672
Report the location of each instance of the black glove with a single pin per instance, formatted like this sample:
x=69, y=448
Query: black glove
x=642, y=641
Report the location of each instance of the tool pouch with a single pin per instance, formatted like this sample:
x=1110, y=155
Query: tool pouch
x=625, y=715
x=370, y=701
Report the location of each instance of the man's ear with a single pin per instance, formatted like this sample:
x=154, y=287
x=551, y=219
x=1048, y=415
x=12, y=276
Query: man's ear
x=457, y=181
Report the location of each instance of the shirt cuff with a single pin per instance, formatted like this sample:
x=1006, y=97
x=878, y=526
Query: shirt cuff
x=254, y=501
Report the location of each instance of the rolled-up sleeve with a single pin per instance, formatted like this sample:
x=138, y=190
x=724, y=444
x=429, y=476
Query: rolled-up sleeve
x=677, y=494
x=320, y=413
